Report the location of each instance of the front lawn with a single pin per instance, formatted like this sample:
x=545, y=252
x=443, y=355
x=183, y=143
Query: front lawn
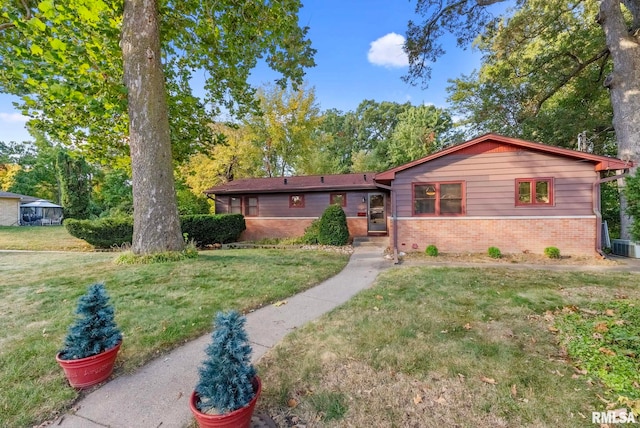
x=466, y=347
x=40, y=238
x=158, y=307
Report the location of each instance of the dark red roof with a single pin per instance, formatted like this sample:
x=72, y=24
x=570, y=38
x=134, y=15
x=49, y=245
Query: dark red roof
x=309, y=183
x=601, y=163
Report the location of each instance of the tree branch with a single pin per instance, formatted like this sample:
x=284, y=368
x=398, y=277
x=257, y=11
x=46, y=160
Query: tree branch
x=26, y=9
x=28, y=15
x=483, y=3
x=581, y=66
x=6, y=25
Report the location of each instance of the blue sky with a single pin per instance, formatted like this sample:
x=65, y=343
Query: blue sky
x=358, y=57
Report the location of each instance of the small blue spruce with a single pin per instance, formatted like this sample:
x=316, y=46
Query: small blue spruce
x=94, y=330
x=226, y=374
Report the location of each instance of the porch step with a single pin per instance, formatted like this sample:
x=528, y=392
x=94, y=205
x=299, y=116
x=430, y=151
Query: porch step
x=371, y=241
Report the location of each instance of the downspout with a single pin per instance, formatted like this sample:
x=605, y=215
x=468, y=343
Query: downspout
x=394, y=213
x=598, y=214
x=597, y=207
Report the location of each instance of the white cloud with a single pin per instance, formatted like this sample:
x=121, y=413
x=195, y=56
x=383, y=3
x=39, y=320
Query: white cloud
x=13, y=118
x=387, y=51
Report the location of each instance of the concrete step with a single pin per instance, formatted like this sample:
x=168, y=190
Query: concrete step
x=371, y=241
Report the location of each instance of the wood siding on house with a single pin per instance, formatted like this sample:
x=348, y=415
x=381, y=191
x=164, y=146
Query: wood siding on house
x=490, y=182
x=277, y=204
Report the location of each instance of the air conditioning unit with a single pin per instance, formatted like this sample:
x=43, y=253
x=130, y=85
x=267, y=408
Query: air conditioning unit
x=625, y=248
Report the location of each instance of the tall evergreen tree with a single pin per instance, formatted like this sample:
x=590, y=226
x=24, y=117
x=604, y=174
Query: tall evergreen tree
x=74, y=176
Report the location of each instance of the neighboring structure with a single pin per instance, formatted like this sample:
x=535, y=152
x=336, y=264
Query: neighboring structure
x=17, y=210
x=490, y=191
x=9, y=209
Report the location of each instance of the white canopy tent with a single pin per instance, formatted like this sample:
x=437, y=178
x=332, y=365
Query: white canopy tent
x=40, y=212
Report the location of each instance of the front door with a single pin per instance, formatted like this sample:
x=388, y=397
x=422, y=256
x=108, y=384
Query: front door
x=377, y=215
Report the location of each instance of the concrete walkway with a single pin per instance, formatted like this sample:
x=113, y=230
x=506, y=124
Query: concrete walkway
x=157, y=395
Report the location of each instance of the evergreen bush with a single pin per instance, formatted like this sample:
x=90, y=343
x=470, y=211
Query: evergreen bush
x=226, y=375
x=105, y=232
x=204, y=229
x=432, y=251
x=312, y=233
x=209, y=229
x=333, y=227
x=494, y=252
x=552, y=252
x=95, y=330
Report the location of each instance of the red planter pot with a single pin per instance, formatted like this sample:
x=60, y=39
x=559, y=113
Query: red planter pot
x=240, y=418
x=86, y=372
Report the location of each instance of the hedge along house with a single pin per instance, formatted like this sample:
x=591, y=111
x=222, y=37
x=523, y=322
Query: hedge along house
x=493, y=190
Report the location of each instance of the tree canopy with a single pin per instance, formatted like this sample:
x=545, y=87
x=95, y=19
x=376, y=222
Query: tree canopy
x=85, y=86
x=541, y=78
x=539, y=56
x=65, y=63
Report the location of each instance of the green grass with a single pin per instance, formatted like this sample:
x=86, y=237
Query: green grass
x=40, y=238
x=605, y=341
x=445, y=347
x=158, y=307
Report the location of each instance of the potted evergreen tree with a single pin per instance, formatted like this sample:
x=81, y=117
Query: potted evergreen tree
x=228, y=388
x=93, y=341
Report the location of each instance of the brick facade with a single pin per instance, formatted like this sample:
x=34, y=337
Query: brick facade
x=572, y=235
x=259, y=228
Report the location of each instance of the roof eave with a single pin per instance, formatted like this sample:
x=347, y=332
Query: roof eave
x=613, y=164
x=602, y=163
x=290, y=189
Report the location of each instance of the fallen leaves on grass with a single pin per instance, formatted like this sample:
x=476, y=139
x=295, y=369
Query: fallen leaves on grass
x=601, y=327
x=488, y=380
x=606, y=351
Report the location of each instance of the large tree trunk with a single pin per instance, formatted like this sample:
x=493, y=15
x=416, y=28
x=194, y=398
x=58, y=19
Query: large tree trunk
x=624, y=85
x=156, y=226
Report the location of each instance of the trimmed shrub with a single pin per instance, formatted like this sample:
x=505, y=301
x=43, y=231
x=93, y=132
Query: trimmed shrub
x=106, y=232
x=552, y=252
x=226, y=373
x=208, y=229
x=494, y=252
x=312, y=233
x=333, y=227
x=202, y=229
x=432, y=251
x=95, y=329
